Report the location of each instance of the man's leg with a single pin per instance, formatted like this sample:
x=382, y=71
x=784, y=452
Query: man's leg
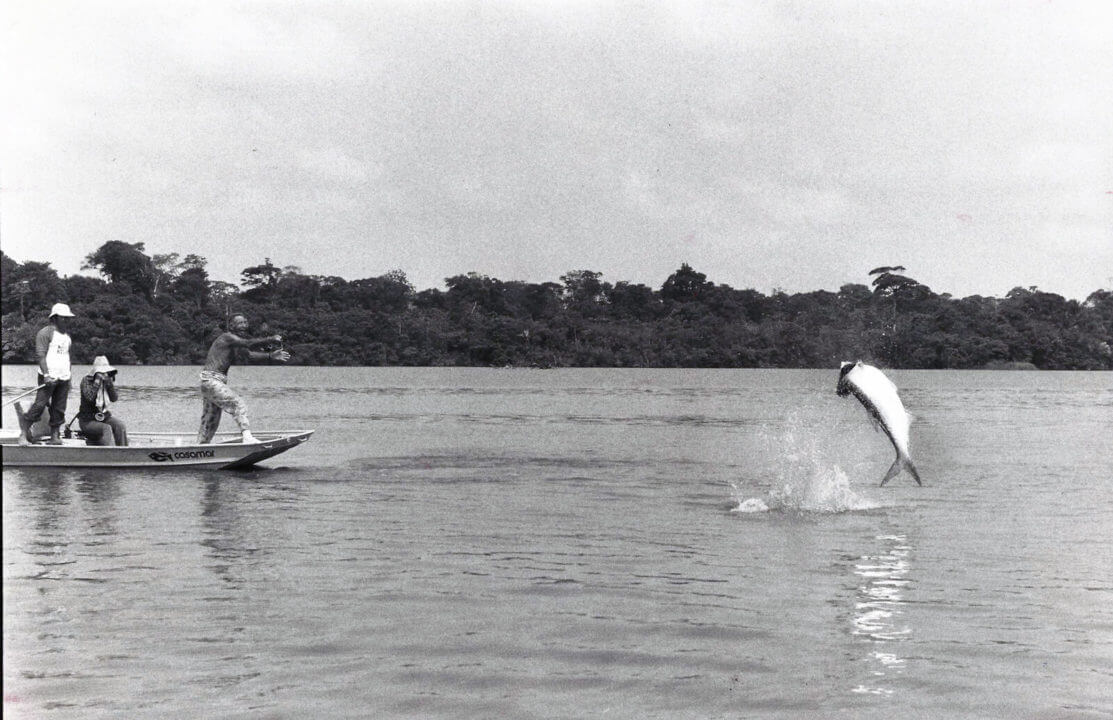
x=59, y=398
x=25, y=433
x=238, y=409
x=42, y=399
x=210, y=417
x=222, y=396
x=234, y=405
x=41, y=428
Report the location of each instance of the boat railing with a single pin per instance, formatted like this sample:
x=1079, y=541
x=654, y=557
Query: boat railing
x=193, y=433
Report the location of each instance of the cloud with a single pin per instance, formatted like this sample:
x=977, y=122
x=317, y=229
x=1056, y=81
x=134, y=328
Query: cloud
x=793, y=144
x=251, y=43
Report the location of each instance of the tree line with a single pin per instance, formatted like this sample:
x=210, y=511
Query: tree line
x=164, y=309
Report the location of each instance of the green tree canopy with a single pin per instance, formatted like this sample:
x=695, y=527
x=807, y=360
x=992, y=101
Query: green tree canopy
x=581, y=320
x=685, y=285
x=124, y=264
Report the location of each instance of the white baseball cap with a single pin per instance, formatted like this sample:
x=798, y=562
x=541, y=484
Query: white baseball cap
x=61, y=310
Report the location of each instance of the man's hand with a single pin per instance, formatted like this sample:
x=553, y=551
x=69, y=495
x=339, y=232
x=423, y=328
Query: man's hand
x=47, y=380
x=280, y=355
x=275, y=338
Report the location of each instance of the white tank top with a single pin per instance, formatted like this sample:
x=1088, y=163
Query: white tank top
x=58, y=356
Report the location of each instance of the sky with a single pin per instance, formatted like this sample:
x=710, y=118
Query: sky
x=770, y=145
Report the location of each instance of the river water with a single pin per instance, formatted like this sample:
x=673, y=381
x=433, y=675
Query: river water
x=480, y=543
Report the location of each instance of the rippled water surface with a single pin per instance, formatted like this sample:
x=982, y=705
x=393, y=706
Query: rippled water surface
x=473, y=543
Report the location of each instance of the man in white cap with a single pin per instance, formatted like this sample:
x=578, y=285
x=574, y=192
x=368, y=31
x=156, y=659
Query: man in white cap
x=52, y=348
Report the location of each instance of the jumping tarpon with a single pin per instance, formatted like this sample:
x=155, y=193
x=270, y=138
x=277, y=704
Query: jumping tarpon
x=879, y=396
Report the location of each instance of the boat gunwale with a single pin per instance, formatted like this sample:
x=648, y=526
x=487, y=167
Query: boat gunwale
x=263, y=436
x=76, y=454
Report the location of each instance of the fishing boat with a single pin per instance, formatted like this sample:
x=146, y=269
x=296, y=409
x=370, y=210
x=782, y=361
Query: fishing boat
x=152, y=450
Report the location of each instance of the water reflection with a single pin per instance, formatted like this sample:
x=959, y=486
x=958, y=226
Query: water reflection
x=100, y=489
x=224, y=533
x=53, y=512
x=242, y=522
x=878, y=614
x=45, y=493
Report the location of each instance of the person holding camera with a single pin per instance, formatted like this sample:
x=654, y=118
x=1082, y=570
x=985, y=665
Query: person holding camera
x=97, y=423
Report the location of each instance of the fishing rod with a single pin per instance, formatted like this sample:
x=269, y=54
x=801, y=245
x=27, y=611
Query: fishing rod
x=17, y=397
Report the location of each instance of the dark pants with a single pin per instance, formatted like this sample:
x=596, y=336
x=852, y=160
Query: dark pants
x=99, y=432
x=55, y=396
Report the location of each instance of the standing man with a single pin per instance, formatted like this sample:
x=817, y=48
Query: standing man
x=52, y=348
x=216, y=396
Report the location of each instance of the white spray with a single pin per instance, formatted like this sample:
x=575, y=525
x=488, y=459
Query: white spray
x=804, y=478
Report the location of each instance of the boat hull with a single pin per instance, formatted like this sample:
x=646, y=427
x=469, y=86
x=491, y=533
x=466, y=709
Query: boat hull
x=152, y=451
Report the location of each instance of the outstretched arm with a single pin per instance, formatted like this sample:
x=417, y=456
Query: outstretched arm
x=276, y=355
x=237, y=342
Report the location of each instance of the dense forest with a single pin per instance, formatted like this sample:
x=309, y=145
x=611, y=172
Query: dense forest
x=165, y=309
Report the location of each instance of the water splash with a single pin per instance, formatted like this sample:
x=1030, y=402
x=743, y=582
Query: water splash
x=818, y=489
x=751, y=505
x=804, y=477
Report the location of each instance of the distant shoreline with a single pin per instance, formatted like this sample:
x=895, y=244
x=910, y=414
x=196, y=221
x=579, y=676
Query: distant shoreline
x=997, y=366
x=158, y=310
x=1009, y=365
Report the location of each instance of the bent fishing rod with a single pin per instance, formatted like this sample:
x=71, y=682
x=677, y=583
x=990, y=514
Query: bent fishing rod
x=18, y=397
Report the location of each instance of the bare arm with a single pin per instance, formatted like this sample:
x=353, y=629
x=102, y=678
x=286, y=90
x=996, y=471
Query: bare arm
x=276, y=355
x=236, y=342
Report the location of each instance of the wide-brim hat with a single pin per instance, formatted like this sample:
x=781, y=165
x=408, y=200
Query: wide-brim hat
x=100, y=365
x=61, y=310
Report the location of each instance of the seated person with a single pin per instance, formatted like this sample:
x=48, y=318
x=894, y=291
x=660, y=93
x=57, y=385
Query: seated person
x=99, y=426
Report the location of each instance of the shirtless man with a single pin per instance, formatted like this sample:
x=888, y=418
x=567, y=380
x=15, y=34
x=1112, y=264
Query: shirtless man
x=216, y=396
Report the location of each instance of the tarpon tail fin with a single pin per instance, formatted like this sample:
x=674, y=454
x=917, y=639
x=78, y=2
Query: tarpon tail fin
x=912, y=469
x=902, y=461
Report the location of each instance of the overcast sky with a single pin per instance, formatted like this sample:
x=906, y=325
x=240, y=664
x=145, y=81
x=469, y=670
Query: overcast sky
x=767, y=144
